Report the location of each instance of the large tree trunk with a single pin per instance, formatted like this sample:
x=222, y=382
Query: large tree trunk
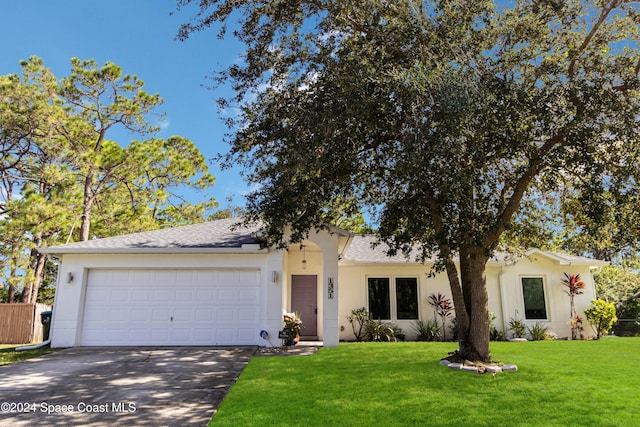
x=472, y=305
x=462, y=320
x=85, y=223
x=30, y=293
x=11, y=292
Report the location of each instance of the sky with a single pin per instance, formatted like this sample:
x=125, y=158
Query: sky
x=138, y=36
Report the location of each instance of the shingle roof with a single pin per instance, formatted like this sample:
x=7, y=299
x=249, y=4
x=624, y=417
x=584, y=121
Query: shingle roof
x=227, y=235
x=363, y=249
x=219, y=234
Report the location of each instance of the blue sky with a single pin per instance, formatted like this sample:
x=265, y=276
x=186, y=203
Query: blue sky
x=138, y=36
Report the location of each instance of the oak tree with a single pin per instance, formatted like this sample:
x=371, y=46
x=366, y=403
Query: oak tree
x=447, y=117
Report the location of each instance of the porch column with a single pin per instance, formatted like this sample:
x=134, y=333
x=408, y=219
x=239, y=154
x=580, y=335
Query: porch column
x=330, y=325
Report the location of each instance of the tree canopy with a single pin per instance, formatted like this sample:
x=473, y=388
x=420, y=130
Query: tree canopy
x=63, y=179
x=448, y=118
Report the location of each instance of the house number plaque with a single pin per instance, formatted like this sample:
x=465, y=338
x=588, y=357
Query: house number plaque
x=330, y=288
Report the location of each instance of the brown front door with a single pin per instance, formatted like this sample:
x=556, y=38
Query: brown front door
x=304, y=300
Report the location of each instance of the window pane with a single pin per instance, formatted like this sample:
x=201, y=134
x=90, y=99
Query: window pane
x=407, y=298
x=533, y=291
x=379, y=305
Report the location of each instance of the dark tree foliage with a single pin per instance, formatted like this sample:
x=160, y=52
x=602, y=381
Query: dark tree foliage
x=448, y=118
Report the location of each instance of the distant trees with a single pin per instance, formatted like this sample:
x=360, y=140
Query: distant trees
x=63, y=179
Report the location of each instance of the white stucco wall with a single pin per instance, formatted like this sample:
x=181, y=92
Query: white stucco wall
x=69, y=299
x=353, y=292
x=503, y=286
x=349, y=282
x=557, y=301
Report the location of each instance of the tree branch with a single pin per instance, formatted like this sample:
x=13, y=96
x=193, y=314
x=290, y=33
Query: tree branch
x=492, y=238
x=604, y=13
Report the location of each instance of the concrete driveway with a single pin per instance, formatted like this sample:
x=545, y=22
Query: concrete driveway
x=115, y=386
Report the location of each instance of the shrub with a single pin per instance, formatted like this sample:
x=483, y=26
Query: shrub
x=575, y=286
x=358, y=320
x=538, y=331
x=443, y=307
x=628, y=313
x=377, y=330
x=518, y=327
x=601, y=315
x=427, y=331
x=494, y=334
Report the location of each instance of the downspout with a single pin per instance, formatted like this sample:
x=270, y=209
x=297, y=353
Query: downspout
x=503, y=299
x=48, y=341
x=34, y=346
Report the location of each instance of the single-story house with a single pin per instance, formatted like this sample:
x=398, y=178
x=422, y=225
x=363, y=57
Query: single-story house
x=214, y=284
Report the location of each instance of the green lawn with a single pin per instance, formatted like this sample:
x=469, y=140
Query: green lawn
x=8, y=354
x=559, y=383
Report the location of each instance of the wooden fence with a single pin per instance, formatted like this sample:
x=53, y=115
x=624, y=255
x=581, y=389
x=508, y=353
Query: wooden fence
x=20, y=323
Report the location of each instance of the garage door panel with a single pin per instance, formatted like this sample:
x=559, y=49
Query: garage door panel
x=138, y=334
x=185, y=297
x=159, y=336
x=202, y=334
x=247, y=314
x=159, y=276
x=183, y=315
x=226, y=296
x=117, y=315
x=204, y=296
x=161, y=314
x=116, y=275
x=224, y=315
x=225, y=334
x=245, y=335
x=140, y=315
x=161, y=295
x=208, y=307
x=139, y=296
x=247, y=294
x=203, y=315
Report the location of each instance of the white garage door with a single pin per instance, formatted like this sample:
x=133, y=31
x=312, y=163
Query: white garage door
x=171, y=307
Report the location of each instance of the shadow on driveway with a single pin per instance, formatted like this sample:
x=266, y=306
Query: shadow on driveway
x=108, y=386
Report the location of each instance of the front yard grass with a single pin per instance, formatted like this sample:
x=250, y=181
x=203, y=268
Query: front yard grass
x=8, y=353
x=559, y=383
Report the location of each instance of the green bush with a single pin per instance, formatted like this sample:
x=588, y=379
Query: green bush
x=427, y=331
x=358, y=320
x=377, y=330
x=538, y=331
x=494, y=333
x=367, y=329
x=518, y=327
x=602, y=315
x=628, y=324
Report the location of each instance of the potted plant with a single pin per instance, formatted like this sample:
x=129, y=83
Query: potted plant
x=292, y=326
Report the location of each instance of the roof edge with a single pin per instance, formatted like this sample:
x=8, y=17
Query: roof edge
x=244, y=250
